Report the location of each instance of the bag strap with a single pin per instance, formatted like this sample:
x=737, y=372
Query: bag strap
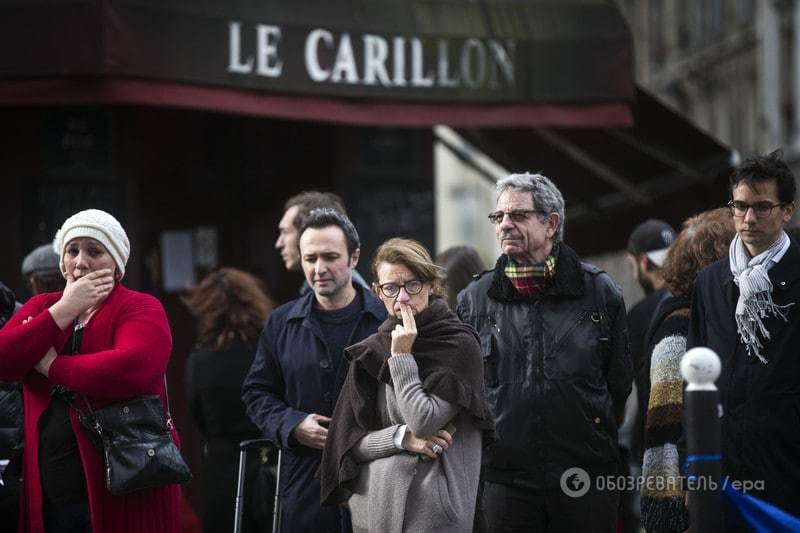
x=89, y=413
x=166, y=396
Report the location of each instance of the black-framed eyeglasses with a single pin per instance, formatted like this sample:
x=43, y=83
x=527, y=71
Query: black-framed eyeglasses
x=517, y=215
x=761, y=209
x=412, y=287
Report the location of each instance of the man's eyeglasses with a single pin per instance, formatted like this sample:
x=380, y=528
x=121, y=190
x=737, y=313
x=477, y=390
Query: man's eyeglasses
x=412, y=287
x=517, y=215
x=761, y=209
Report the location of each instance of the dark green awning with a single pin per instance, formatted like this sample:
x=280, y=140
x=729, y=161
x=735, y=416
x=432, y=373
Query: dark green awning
x=394, y=62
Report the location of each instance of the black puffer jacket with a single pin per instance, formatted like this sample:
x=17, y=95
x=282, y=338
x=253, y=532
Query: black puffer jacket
x=10, y=395
x=557, y=369
x=10, y=421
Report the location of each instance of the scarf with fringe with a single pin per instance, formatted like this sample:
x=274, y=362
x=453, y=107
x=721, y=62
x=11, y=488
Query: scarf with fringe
x=755, y=293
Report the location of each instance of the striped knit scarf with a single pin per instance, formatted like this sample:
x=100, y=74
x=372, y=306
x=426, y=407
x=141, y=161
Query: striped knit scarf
x=530, y=280
x=662, y=503
x=755, y=293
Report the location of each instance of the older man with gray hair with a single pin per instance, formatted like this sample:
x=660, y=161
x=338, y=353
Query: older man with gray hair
x=557, y=369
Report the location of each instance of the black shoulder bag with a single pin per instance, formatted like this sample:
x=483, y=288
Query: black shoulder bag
x=135, y=439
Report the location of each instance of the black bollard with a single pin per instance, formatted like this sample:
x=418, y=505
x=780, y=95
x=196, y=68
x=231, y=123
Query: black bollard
x=703, y=466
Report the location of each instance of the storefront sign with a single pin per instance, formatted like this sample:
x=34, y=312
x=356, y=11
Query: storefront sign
x=374, y=60
x=402, y=51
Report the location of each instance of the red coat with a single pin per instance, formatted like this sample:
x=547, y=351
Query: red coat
x=124, y=353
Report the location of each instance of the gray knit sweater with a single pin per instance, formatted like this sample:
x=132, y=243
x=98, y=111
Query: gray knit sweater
x=397, y=491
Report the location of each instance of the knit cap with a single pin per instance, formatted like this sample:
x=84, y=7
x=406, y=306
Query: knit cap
x=97, y=225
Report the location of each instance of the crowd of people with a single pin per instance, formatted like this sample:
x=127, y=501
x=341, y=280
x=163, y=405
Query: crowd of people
x=440, y=396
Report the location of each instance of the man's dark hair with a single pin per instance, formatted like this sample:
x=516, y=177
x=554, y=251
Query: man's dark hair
x=307, y=201
x=324, y=217
x=762, y=168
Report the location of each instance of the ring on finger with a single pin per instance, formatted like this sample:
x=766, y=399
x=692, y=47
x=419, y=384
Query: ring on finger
x=437, y=449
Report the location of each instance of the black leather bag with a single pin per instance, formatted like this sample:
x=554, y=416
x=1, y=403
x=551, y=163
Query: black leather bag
x=135, y=439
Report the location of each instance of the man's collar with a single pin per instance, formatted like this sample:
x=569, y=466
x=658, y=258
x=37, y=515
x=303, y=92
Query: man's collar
x=568, y=280
x=787, y=269
x=301, y=308
x=778, y=256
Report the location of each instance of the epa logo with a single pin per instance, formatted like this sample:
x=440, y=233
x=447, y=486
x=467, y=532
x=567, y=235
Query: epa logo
x=575, y=482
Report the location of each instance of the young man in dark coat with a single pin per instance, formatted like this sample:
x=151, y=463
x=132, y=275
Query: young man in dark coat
x=557, y=369
x=745, y=308
x=299, y=368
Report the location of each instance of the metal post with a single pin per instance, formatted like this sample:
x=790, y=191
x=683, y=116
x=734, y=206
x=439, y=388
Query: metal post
x=701, y=368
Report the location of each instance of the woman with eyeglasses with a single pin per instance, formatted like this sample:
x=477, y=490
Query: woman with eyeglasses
x=404, y=445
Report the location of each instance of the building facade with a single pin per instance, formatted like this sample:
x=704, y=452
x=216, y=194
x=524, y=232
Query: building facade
x=731, y=66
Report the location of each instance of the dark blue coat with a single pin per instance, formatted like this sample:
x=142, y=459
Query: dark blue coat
x=293, y=376
x=760, y=402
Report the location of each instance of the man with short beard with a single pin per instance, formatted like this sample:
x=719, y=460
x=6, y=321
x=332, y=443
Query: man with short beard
x=556, y=366
x=299, y=367
x=647, y=248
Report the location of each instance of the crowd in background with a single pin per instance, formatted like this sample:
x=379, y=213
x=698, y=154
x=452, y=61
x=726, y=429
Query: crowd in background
x=438, y=395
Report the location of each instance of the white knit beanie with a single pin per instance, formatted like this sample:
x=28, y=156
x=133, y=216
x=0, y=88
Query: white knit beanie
x=100, y=226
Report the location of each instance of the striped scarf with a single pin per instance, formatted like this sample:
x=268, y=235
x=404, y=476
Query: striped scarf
x=755, y=293
x=530, y=280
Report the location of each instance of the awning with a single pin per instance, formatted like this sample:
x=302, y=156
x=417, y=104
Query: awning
x=614, y=178
x=389, y=62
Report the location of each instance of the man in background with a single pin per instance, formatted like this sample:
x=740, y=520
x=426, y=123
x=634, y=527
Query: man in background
x=647, y=248
x=295, y=210
x=40, y=270
x=41, y=273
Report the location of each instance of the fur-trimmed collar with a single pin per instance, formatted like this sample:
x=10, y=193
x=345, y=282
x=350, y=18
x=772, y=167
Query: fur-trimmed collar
x=568, y=280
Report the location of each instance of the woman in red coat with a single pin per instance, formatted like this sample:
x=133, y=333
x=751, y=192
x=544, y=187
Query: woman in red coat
x=95, y=339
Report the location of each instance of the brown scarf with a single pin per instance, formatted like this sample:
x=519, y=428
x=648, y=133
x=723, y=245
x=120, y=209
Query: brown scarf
x=450, y=363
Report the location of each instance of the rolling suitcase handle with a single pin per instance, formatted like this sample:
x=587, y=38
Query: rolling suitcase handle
x=244, y=447
x=276, y=508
